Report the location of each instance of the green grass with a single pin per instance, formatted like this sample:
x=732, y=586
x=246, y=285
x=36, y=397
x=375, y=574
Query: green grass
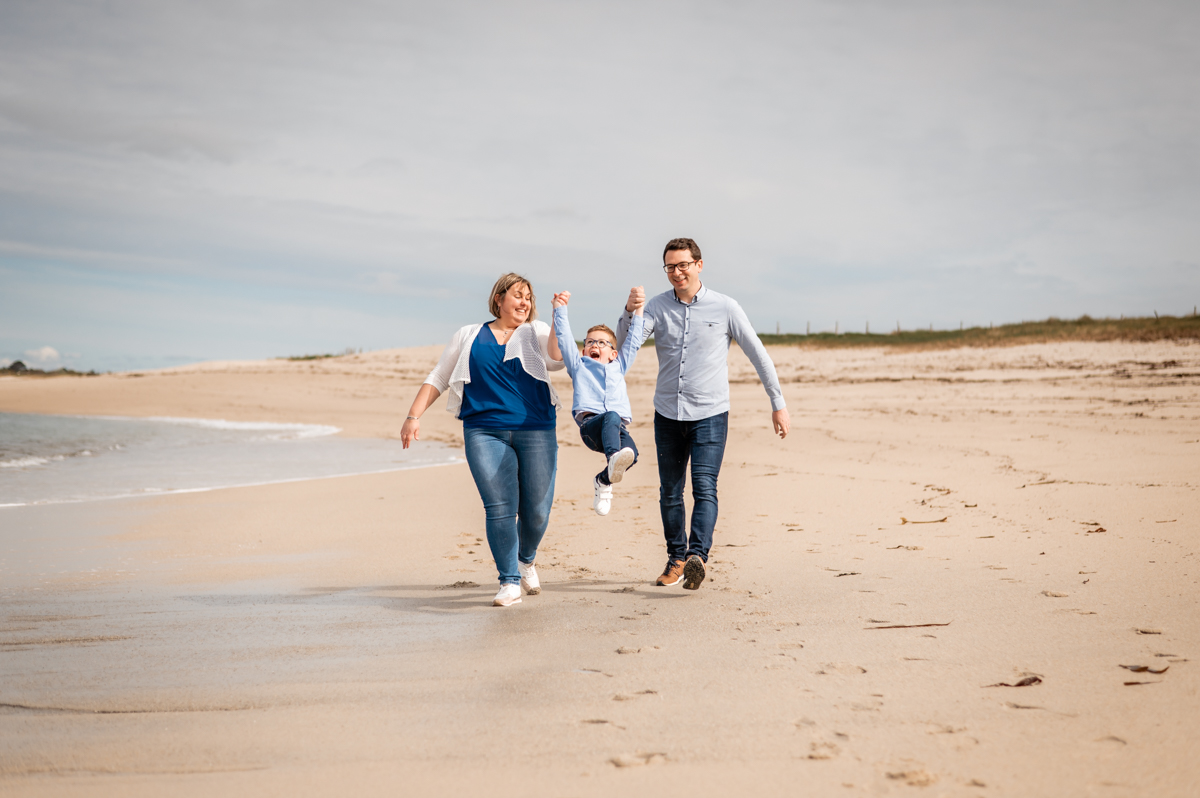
x=1085, y=328
x=63, y=372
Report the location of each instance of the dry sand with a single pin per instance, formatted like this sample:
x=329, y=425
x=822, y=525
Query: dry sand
x=936, y=523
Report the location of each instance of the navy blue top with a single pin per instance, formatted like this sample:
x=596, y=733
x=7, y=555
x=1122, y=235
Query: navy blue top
x=501, y=395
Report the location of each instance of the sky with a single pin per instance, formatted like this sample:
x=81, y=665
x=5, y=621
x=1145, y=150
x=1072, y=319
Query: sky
x=213, y=180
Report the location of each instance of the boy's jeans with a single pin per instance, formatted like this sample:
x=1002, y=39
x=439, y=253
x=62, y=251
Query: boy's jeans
x=514, y=472
x=603, y=433
x=703, y=442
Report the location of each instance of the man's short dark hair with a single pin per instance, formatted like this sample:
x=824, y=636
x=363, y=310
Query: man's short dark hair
x=683, y=243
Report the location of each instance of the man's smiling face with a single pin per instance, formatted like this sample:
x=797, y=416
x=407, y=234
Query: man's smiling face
x=684, y=271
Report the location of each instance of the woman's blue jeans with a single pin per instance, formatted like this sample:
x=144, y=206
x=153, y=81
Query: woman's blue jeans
x=514, y=472
x=703, y=443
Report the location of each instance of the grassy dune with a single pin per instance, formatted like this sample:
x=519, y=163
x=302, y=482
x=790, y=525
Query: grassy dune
x=1051, y=330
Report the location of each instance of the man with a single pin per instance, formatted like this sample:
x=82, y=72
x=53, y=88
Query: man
x=692, y=327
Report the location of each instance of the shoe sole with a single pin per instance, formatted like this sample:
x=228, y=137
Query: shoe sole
x=531, y=590
x=499, y=603
x=622, y=460
x=693, y=573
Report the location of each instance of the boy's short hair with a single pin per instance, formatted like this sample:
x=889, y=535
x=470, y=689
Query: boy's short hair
x=683, y=243
x=603, y=328
x=502, y=286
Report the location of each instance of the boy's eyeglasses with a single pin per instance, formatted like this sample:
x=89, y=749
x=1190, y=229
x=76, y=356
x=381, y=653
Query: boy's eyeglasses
x=683, y=267
x=600, y=342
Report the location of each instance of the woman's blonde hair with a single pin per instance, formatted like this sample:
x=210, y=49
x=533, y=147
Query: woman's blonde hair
x=502, y=287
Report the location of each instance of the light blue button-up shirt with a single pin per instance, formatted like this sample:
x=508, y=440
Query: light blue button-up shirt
x=599, y=387
x=692, y=341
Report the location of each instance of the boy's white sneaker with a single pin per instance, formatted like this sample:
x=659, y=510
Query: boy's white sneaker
x=509, y=594
x=618, y=463
x=602, y=500
x=529, y=578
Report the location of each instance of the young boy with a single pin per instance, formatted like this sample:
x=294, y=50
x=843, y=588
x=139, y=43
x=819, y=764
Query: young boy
x=601, y=406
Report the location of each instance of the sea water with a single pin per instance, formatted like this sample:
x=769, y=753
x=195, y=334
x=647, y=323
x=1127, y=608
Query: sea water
x=56, y=459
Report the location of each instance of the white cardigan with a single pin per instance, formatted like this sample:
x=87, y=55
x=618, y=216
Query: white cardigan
x=529, y=342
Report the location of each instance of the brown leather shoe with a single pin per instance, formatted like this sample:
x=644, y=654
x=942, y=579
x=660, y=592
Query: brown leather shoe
x=693, y=573
x=671, y=575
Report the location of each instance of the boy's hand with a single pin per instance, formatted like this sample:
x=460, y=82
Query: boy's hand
x=560, y=299
x=637, y=298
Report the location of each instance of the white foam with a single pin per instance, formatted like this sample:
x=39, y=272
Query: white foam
x=148, y=492
x=281, y=429
x=24, y=462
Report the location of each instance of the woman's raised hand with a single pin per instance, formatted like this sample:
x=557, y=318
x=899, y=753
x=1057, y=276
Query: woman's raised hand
x=560, y=299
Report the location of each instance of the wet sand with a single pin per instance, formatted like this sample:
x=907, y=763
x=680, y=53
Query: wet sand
x=931, y=527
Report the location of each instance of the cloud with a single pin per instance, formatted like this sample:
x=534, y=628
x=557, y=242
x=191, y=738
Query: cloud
x=874, y=160
x=43, y=356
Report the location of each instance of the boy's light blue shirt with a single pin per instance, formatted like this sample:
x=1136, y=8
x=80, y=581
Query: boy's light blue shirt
x=599, y=387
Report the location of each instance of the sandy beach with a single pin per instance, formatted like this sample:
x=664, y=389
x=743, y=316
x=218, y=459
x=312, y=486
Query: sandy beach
x=938, y=525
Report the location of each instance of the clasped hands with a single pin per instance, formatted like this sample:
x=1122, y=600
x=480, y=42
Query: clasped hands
x=637, y=299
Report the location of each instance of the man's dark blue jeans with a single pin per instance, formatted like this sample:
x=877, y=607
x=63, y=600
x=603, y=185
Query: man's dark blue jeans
x=604, y=432
x=702, y=442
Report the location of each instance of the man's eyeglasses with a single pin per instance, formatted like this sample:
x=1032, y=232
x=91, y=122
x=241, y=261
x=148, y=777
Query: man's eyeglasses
x=600, y=342
x=683, y=267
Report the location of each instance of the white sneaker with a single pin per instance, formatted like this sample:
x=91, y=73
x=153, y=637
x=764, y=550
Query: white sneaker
x=602, y=501
x=529, y=578
x=618, y=463
x=509, y=594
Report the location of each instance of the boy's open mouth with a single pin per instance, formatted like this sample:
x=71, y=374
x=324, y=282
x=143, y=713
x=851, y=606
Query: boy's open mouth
x=594, y=355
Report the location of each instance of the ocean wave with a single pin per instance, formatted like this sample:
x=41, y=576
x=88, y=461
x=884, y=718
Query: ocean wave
x=281, y=430
x=149, y=492
x=26, y=462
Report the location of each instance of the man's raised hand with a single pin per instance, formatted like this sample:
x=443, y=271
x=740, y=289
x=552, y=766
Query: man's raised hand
x=637, y=298
x=560, y=299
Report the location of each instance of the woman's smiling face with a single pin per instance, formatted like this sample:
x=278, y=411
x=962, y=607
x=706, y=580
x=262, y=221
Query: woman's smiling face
x=515, y=304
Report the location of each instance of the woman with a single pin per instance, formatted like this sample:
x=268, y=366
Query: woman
x=497, y=374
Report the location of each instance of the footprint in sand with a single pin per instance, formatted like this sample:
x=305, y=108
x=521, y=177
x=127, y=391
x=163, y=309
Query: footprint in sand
x=844, y=668
x=914, y=778
x=823, y=750
x=635, y=696
x=638, y=759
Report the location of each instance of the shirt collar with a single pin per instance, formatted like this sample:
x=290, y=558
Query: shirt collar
x=695, y=299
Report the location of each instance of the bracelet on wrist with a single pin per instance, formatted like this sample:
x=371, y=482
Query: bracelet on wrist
x=413, y=418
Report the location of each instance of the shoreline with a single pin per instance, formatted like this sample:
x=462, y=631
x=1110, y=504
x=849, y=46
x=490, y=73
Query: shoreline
x=181, y=491
x=104, y=457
